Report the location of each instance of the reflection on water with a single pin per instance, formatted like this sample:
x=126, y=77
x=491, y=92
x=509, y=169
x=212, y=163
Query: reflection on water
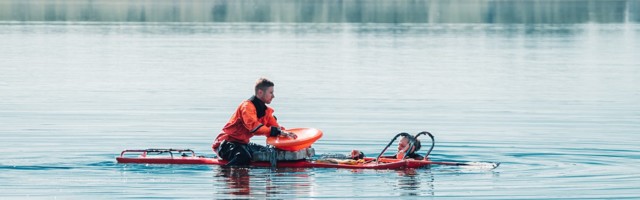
x=325, y=11
x=256, y=182
x=412, y=183
x=261, y=181
x=237, y=179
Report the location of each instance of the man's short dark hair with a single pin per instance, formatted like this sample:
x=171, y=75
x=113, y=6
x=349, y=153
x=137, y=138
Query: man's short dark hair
x=263, y=84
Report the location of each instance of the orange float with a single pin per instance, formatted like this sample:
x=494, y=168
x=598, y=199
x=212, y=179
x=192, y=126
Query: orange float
x=306, y=137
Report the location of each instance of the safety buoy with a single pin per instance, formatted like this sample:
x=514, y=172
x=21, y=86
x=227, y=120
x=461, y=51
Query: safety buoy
x=306, y=137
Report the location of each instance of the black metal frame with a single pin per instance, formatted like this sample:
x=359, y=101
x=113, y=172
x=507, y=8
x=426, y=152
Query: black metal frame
x=160, y=151
x=433, y=141
x=412, y=141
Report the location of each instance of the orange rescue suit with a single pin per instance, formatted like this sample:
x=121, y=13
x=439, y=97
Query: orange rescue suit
x=244, y=124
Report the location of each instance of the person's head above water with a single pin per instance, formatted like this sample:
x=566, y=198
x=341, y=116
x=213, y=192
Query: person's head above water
x=404, y=143
x=355, y=154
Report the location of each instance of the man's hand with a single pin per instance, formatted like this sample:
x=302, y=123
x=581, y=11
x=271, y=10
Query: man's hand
x=288, y=134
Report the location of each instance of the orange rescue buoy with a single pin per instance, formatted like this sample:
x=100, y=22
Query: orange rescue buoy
x=306, y=137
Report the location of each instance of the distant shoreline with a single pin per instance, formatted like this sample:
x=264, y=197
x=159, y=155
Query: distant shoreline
x=326, y=11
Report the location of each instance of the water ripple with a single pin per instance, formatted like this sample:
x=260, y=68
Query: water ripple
x=35, y=167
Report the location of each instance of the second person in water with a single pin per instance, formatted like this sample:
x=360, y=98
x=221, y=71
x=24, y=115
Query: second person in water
x=403, y=147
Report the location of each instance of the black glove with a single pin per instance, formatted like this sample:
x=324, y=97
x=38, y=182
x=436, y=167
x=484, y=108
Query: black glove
x=275, y=131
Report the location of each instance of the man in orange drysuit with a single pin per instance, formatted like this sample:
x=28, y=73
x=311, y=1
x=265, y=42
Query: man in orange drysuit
x=252, y=117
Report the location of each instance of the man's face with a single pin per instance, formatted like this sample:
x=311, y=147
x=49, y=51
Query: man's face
x=266, y=96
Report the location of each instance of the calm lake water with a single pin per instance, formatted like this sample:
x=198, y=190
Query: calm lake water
x=556, y=104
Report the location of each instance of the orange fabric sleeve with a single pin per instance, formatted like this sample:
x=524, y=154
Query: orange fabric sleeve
x=250, y=120
x=271, y=121
x=264, y=130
